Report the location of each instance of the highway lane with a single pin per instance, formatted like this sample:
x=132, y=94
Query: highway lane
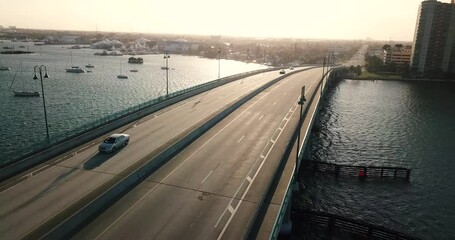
x=68, y=178
x=205, y=192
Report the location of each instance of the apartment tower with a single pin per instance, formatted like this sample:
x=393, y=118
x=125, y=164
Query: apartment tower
x=433, y=52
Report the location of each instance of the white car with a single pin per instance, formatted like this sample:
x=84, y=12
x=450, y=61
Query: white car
x=114, y=142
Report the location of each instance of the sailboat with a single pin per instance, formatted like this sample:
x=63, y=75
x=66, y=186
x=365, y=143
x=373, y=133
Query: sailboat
x=74, y=69
x=89, y=66
x=4, y=68
x=165, y=67
x=121, y=76
x=24, y=92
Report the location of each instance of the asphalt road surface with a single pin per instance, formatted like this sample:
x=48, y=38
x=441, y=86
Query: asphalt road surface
x=211, y=190
x=39, y=195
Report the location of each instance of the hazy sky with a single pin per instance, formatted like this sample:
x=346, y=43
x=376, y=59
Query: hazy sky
x=333, y=19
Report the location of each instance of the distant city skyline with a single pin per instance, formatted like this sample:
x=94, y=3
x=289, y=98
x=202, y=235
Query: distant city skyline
x=327, y=19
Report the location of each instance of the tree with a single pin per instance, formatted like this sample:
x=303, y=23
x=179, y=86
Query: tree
x=385, y=47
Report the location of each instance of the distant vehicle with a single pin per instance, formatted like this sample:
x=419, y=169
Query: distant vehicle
x=114, y=142
x=282, y=71
x=291, y=68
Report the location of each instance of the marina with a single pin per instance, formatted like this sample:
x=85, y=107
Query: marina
x=73, y=100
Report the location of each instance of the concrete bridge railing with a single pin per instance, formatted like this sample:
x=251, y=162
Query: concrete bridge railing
x=43, y=151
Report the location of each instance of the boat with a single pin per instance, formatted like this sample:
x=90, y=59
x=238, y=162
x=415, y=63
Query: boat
x=121, y=76
x=89, y=66
x=138, y=60
x=133, y=70
x=74, y=69
x=24, y=92
x=165, y=68
x=3, y=68
x=103, y=53
x=16, y=52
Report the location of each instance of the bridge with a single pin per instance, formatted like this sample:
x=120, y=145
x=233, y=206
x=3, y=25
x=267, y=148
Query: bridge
x=216, y=164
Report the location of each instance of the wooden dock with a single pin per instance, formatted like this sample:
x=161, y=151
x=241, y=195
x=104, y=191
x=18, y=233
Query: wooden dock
x=358, y=171
x=333, y=225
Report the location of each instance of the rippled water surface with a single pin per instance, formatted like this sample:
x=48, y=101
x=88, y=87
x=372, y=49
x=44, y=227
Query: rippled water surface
x=388, y=123
x=73, y=99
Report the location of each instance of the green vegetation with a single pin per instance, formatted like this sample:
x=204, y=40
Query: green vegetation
x=370, y=75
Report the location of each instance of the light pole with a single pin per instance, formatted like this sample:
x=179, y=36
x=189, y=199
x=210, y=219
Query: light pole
x=167, y=56
x=322, y=80
x=219, y=63
x=40, y=69
x=301, y=102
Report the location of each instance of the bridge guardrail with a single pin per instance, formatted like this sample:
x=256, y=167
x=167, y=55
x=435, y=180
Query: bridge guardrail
x=285, y=204
x=156, y=103
x=70, y=225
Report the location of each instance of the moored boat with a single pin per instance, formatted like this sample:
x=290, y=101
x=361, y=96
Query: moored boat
x=75, y=69
x=3, y=68
x=135, y=60
x=26, y=93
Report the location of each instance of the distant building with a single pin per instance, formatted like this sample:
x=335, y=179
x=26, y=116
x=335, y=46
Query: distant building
x=433, y=53
x=69, y=39
x=180, y=46
x=397, y=54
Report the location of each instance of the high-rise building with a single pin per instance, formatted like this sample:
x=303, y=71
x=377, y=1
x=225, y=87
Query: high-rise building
x=433, y=53
x=397, y=54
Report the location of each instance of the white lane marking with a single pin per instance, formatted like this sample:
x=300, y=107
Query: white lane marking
x=249, y=179
x=172, y=172
x=274, y=104
x=261, y=116
x=250, y=184
x=240, y=139
x=231, y=209
x=26, y=176
x=264, y=158
x=206, y=177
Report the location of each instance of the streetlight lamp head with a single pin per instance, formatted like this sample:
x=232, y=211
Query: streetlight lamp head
x=46, y=76
x=35, y=77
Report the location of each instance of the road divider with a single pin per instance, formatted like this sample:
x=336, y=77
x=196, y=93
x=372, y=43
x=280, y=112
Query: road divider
x=70, y=224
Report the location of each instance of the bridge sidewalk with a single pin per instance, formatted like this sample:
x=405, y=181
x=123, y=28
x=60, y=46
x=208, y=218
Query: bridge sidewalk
x=273, y=210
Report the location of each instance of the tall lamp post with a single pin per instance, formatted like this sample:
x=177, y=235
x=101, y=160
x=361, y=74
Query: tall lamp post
x=301, y=102
x=167, y=56
x=219, y=63
x=322, y=79
x=39, y=69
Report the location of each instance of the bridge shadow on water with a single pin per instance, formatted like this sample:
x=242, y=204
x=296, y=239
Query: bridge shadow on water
x=98, y=159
